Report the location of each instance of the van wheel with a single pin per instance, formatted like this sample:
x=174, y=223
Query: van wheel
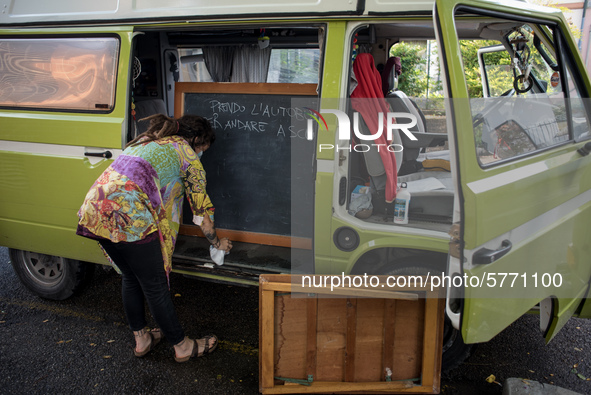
x=455, y=351
x=49, y=276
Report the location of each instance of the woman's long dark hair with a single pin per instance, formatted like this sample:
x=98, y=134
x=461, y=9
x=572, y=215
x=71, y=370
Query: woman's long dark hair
x=195, y=129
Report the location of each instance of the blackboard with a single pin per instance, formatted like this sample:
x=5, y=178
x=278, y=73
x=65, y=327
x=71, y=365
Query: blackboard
x=249, y=167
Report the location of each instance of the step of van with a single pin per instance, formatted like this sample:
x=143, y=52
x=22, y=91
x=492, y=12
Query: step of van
x=246, y=261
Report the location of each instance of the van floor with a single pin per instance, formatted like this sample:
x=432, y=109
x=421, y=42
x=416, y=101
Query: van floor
x=245, y=261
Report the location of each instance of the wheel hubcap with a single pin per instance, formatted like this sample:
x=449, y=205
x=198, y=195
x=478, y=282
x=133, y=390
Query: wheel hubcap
x=44, y=269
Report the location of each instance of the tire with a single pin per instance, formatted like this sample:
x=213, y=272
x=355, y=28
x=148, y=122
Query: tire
x=48, y=276
x=455, y=351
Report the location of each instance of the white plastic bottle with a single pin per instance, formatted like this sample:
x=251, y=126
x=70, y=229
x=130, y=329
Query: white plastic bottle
x=401, y=205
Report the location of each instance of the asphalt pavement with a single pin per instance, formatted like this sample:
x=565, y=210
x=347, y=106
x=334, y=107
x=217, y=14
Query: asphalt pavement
x=83, y=345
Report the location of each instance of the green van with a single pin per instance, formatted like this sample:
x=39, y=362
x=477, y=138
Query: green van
x=499, y=170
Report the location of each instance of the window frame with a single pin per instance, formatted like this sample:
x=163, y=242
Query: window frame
x=557, y=40
x=567, y=63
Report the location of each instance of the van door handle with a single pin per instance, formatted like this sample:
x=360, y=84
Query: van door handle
x=105, y=154
x=486, y=256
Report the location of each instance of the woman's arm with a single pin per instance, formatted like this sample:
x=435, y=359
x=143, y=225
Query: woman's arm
x=208, y=230
x=202, y=207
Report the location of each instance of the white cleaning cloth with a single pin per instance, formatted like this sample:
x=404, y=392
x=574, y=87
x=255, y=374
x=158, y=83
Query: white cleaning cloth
x=217, y=255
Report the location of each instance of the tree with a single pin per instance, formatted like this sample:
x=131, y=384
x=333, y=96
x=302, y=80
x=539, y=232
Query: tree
x=413, y=79
x=497, y=77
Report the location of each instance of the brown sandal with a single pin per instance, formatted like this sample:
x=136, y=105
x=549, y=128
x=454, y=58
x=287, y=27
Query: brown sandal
x=195, y=351
x=153, y=342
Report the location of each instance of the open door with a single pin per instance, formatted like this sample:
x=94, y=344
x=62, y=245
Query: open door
x=523, y=181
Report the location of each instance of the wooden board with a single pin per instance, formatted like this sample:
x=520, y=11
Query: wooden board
x=347, y=344
x=252, y=237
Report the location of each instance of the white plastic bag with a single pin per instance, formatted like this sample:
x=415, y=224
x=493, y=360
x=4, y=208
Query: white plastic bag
x=217, y=255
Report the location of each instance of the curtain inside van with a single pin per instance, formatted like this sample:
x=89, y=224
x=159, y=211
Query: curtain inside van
x=240, y=63
x=218, y=61
x=251, y=64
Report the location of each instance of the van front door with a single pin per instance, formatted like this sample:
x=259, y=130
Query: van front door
x=523, y=183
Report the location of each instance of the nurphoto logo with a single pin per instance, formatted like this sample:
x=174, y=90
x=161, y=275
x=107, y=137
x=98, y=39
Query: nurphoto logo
x=393, y=122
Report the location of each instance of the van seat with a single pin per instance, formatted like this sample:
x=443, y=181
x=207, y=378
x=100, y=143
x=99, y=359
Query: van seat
x=400, y=102
x=430, y=204
x=144, y=109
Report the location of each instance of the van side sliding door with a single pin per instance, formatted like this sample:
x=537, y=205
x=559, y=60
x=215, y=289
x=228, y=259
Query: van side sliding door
x=63, y=112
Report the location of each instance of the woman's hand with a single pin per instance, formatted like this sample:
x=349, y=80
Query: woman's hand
x=225, y=244
x=208, y=229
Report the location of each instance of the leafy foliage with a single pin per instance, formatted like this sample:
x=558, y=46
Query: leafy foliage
x=413, y=57
x=497, y=77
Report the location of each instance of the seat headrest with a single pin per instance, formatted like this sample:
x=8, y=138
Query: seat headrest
x=392, y=70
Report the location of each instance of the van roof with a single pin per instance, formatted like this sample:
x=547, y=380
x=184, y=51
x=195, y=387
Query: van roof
x=27, y=12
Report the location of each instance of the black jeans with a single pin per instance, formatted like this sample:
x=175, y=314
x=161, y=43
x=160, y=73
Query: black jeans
x=142, y=268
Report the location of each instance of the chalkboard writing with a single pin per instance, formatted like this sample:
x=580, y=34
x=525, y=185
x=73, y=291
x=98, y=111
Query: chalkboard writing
x=249, y=167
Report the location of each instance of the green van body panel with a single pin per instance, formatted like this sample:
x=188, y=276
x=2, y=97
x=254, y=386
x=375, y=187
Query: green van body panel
x=331, y=88
x=41, y=194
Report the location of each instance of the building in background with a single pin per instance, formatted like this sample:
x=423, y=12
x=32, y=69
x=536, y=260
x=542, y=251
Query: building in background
x=579, y=15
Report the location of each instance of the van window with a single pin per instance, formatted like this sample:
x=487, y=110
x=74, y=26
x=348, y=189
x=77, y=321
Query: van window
x=496, y=70
x=294, y=65
x=286, y=65
x=518, y=103
x=420, y=76
x=193, y=67
x=59, y=73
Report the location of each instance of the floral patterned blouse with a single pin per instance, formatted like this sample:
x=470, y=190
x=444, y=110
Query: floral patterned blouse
x=141, y=193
